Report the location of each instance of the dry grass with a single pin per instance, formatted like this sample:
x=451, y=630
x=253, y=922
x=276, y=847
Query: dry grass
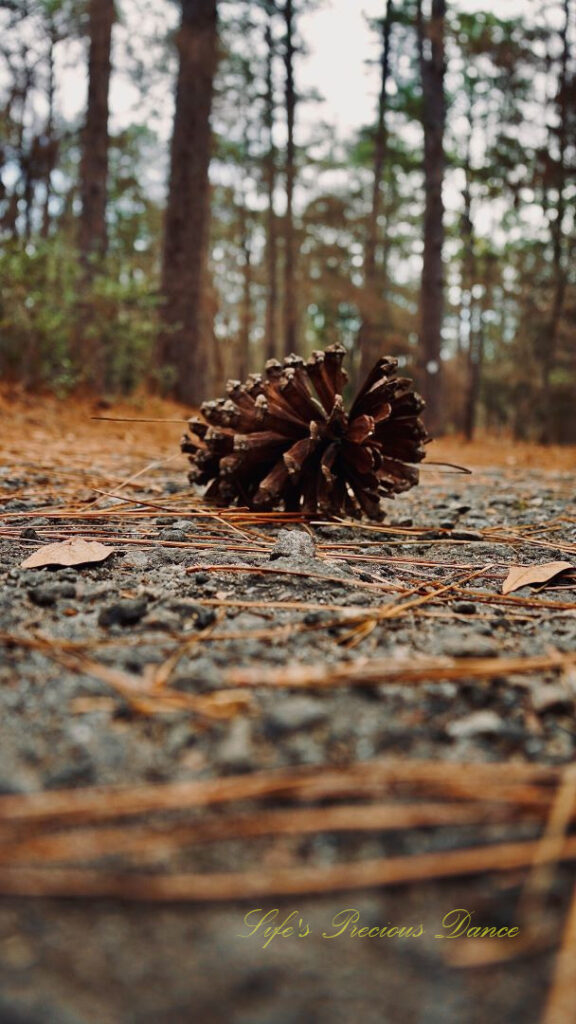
x=31, y=420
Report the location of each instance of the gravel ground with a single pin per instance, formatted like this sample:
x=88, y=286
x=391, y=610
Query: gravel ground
x=169, y=627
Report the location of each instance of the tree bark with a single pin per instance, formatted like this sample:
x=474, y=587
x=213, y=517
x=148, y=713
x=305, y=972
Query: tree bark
x=371, y=333
x=290, y=305
x=93, y=237
x=557, y=230
x=50, y=141
x=431, y=56
x=188, y=208
x=243, y=354
x=270, y=341
x=475, y=342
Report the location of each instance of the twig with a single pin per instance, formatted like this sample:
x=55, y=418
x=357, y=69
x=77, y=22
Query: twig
x=248, y=885
x=506, y=782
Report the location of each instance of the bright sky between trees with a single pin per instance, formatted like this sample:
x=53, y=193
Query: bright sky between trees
x=339, y=42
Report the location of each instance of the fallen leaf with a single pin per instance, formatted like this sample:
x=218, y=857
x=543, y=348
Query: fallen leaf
x=75, y=551
x=524, y=575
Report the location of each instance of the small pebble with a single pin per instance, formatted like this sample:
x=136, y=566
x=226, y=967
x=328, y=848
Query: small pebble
x=293, y=544
x=173, y=535
x=464, y=607
x=235, y=750
x=29, y=533
x=476, y=724
x=44, y=597
x=547, y=698
x=469, y=646
x=123, y=613
x=293, y=713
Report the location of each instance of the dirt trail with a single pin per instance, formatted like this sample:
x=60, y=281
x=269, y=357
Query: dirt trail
x=234, y=715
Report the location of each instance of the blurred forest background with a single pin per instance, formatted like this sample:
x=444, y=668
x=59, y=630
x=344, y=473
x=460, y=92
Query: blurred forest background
x=225, y=221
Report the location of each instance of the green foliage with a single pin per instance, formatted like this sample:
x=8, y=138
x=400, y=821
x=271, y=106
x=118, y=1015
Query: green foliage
x=35, y=314
x=51, y=319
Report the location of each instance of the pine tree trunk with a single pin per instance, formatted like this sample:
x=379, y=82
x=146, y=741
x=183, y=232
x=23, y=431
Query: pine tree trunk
x=10, y=217
x=290, y=307
x=475, y=357
x=469, y=279
x=181, y=348
x=51, y=144
x=559, y=270
x=270, y=341
x=371, y=337
x=431, y=53
x=94, y=163
x=243, y=360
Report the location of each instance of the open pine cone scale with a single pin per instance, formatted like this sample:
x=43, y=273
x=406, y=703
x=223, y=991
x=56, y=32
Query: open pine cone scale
x=274, y=443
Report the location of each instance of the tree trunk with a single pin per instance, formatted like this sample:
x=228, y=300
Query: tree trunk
x=371, y=334
x=51, y=145
x=246, y=304
x=94, y=162
x=475, y=343
x=431, y=54
x=188, y=208
x=474, y=368
x=270, y=341
x=290, y=308
x=558, y=260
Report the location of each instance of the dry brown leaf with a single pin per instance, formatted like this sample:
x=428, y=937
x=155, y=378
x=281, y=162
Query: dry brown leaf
x=524, y=575
x=75, y=551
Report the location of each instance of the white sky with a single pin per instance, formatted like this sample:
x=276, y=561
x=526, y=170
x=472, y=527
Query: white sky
x=340, y=42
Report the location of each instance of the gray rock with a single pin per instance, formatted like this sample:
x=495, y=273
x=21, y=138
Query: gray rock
x=235, y=750
x=162, y=621
x=202, y=676
x=203, y=617
x=479, y=723
x=292, y=713
x=468, y=646
x=305, y=750
x=29, y=533
x=136, y=559
x=294, y=544
x=173, y=535
x=44, y=597
x=47, y=594
x=548, y=698
x=183, y=524
x=124, y=613
x=247, y=621
x=181, y=735
x=167, y=556
x=77, y=771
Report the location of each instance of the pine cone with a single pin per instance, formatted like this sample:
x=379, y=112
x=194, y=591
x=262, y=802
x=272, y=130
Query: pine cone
x=272, y=443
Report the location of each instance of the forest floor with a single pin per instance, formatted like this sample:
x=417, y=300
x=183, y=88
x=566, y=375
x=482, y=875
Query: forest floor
x=353, y=728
